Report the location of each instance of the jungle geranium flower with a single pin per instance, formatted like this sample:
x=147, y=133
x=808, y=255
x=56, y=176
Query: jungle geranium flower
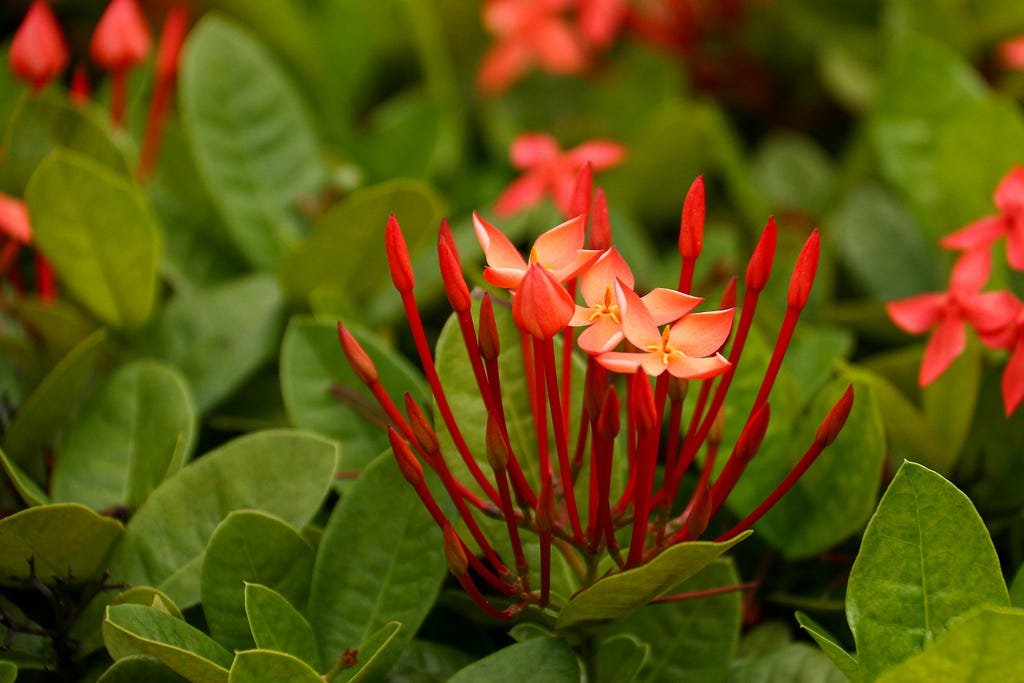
x=948, y=313
x=38, y=52
x=121, y=41
x=1009, y=199
x=547, y=170
x=687, y=349
x=600, y=21
x=559, y=250
x=528, y=32
x=1011, y=53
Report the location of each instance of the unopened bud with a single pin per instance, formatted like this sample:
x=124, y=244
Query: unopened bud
x=642, y=402
x=357, y=358
x=425, y=435
x=541, y=307
x=398, y=256
x=454, y=553
x=691, y=224
x=608, y=422
x=753, y=433
x=488, y=341
x=38, y=52
x=729, y=294
x=836, y=418
x=545, y=512
x=677, y=389
x=407, y=462
x=579, y=200
x=803, y=273
x=600, y=223
x=700, y=512
x=760, y=267
x=497, y=450
x=451, y=271
x=121, y=39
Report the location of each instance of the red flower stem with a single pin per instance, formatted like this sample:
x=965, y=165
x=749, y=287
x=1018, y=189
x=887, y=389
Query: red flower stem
x=46, y=280
x=567, y=345
x=707, y=592
x=545, y=350
x=522, y=566
x=686, y=531
x=675, y=417
x=649, y=431
x=540, y=422
x=8, y=254
x=524, y=493
x=427, y=361
x=594, y=491
x=545, y=568
x=118, y=96
x=743, y=452
x=686, y=275
x=470, y=587
x=155, y=120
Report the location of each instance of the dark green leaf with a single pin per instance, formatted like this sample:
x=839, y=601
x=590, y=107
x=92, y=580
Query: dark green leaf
x=926, y=559
x=97, y=231
x=538, y=660
x=252, y=140
x=843, y=660
x=793, y=663
x=620, y=658
x=276, y=625
x=138, y=431
x=425, y=662
x=250, y=547
x=29, y=491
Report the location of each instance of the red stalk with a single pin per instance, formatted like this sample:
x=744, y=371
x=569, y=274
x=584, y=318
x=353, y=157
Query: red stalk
x=648, y=422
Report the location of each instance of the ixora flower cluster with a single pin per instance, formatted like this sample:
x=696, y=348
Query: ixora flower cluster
x=642, y=353
x=997, y=316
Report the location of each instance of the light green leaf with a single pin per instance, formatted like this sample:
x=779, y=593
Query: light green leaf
x=361, y=584
x=1017, y=588
x=34, y=428
x=27, y=489
x=926, y=559
x=346, y=246
x=219, y=337
x=983, y=647
x=620, y=659
x=60, y=324
x=276, y=625
x=8, y=672
x=843, y=660
x=621, y=594
x=64, y=540
x=139, y=630
x=150, y=597
x=252, y=139
x=43, y=121
x=250, y=546
x=374, y=658
x=135, y=668
x=264, y=666
x=538, y=660
x=138, y=431
x=283, y=473
x=97, y=231
x=321, y=393
x=689, y=640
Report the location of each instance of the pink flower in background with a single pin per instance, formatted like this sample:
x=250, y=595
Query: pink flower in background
x=1011, y=53
x=528, y=33
x=601, y=21
x=982, y=233
x=547, y=170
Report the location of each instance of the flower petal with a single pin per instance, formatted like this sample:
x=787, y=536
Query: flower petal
x=502, y=65
x=917, y=314
x=622, y=362
x=526, y=190
x=991, y=312
x=1009, y=195
x=685, y=367
x=558, y=246
x=498, y=249
x=533, y=149
x=14, y=222
x=945, y=345
x=602, y=154
x=637, y=324
x=979, y=234
x=701, y=334
x=603, y=273
x=556, y=47
x=970, y=271
x=668, y=305
x=604, y=334
x=1013, y=378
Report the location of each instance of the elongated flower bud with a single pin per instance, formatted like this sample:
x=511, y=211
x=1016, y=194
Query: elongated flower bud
x=38, y=52
x=836, y=418
x=760, y=267
x=608, y=423
x=541, y=307
x=357, y=358
x=804, y=272
x=451, y=271
x=729, y=295
x=579, y=200
x=600, y=222
x=642, y=403
x=497, y=451
x=407, y=462
x=691, y=224
x=425, y=435
x=753, y=434
x=489, y=343
x=121, y=39
x=454, y=554
x=398, y=257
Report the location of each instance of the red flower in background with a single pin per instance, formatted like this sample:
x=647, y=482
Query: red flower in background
x=547, y=170
x=39, y=52
x=981, y=234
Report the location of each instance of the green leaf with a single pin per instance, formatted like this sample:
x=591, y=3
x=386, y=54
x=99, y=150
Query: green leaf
x=254, y=547
x=423, y=661
x=150, y=597
x=843, y=660
x=346, y=246
x=253, y=141
x=44, y=121
x=33, y=430
x=97, y=231
x=219, y=337
x=139, y=630
x=276, y=625
x=949, y=400
x=361, y=584
x=64, y=540
x=926, y=559
x=27, y=489
x=794, y=173
x=620, y=659
x=983, y=647
x=793, y=663
x=321, y=393
x=136, y=668
x=1017, y=588
x=375, y=659
x=264, y=666
x=138, y=431
x=283, y=473
x=689, y=640
x=8, y=672
x=621, y=594
x=538, y=660
x=60, y=324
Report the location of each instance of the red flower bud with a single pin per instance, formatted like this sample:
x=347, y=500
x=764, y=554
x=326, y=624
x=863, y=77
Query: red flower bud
x=425, y=435
x=357, y=358
x=451, y=271
x=454, y=554
x=398, y=257
x=803, y=273
x=497, y=451
x=121, y=39
x=407, y=462
x=753, y=434
x=541, y=306
x=579, y=200
x=836, y=418
x=39, y=52
x=760, y=267
x=729, y=295
x=691, y=224
x=489, y=343
x=600, y=223
x=608, y=422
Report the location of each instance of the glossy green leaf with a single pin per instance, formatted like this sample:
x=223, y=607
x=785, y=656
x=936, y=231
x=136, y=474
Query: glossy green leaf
x=97, y=231
x=252, y=139
x=254, y=547
x=150, y=597
x=361, y=584
x=547, y=660
x=619, y=595
x=375, y=658
x=620, y=659
x=793, y=663
x=283, y=473
x=843, y=660
x=346, y=246
x=29, y=491
x=40, y=418
x=689, y=640
x=139, y=430
x=139, y=630
x=135, y=668
x=926, y=559
x=1017, y=588
x=62, y=539
x=276, y=625
x=219, y=337
x=321, y=393
x=264, y=666
x=43, y=121
x=983, y=647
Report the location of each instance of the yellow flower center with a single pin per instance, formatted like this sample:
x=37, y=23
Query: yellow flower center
x=664, y=348
x=608, y=308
